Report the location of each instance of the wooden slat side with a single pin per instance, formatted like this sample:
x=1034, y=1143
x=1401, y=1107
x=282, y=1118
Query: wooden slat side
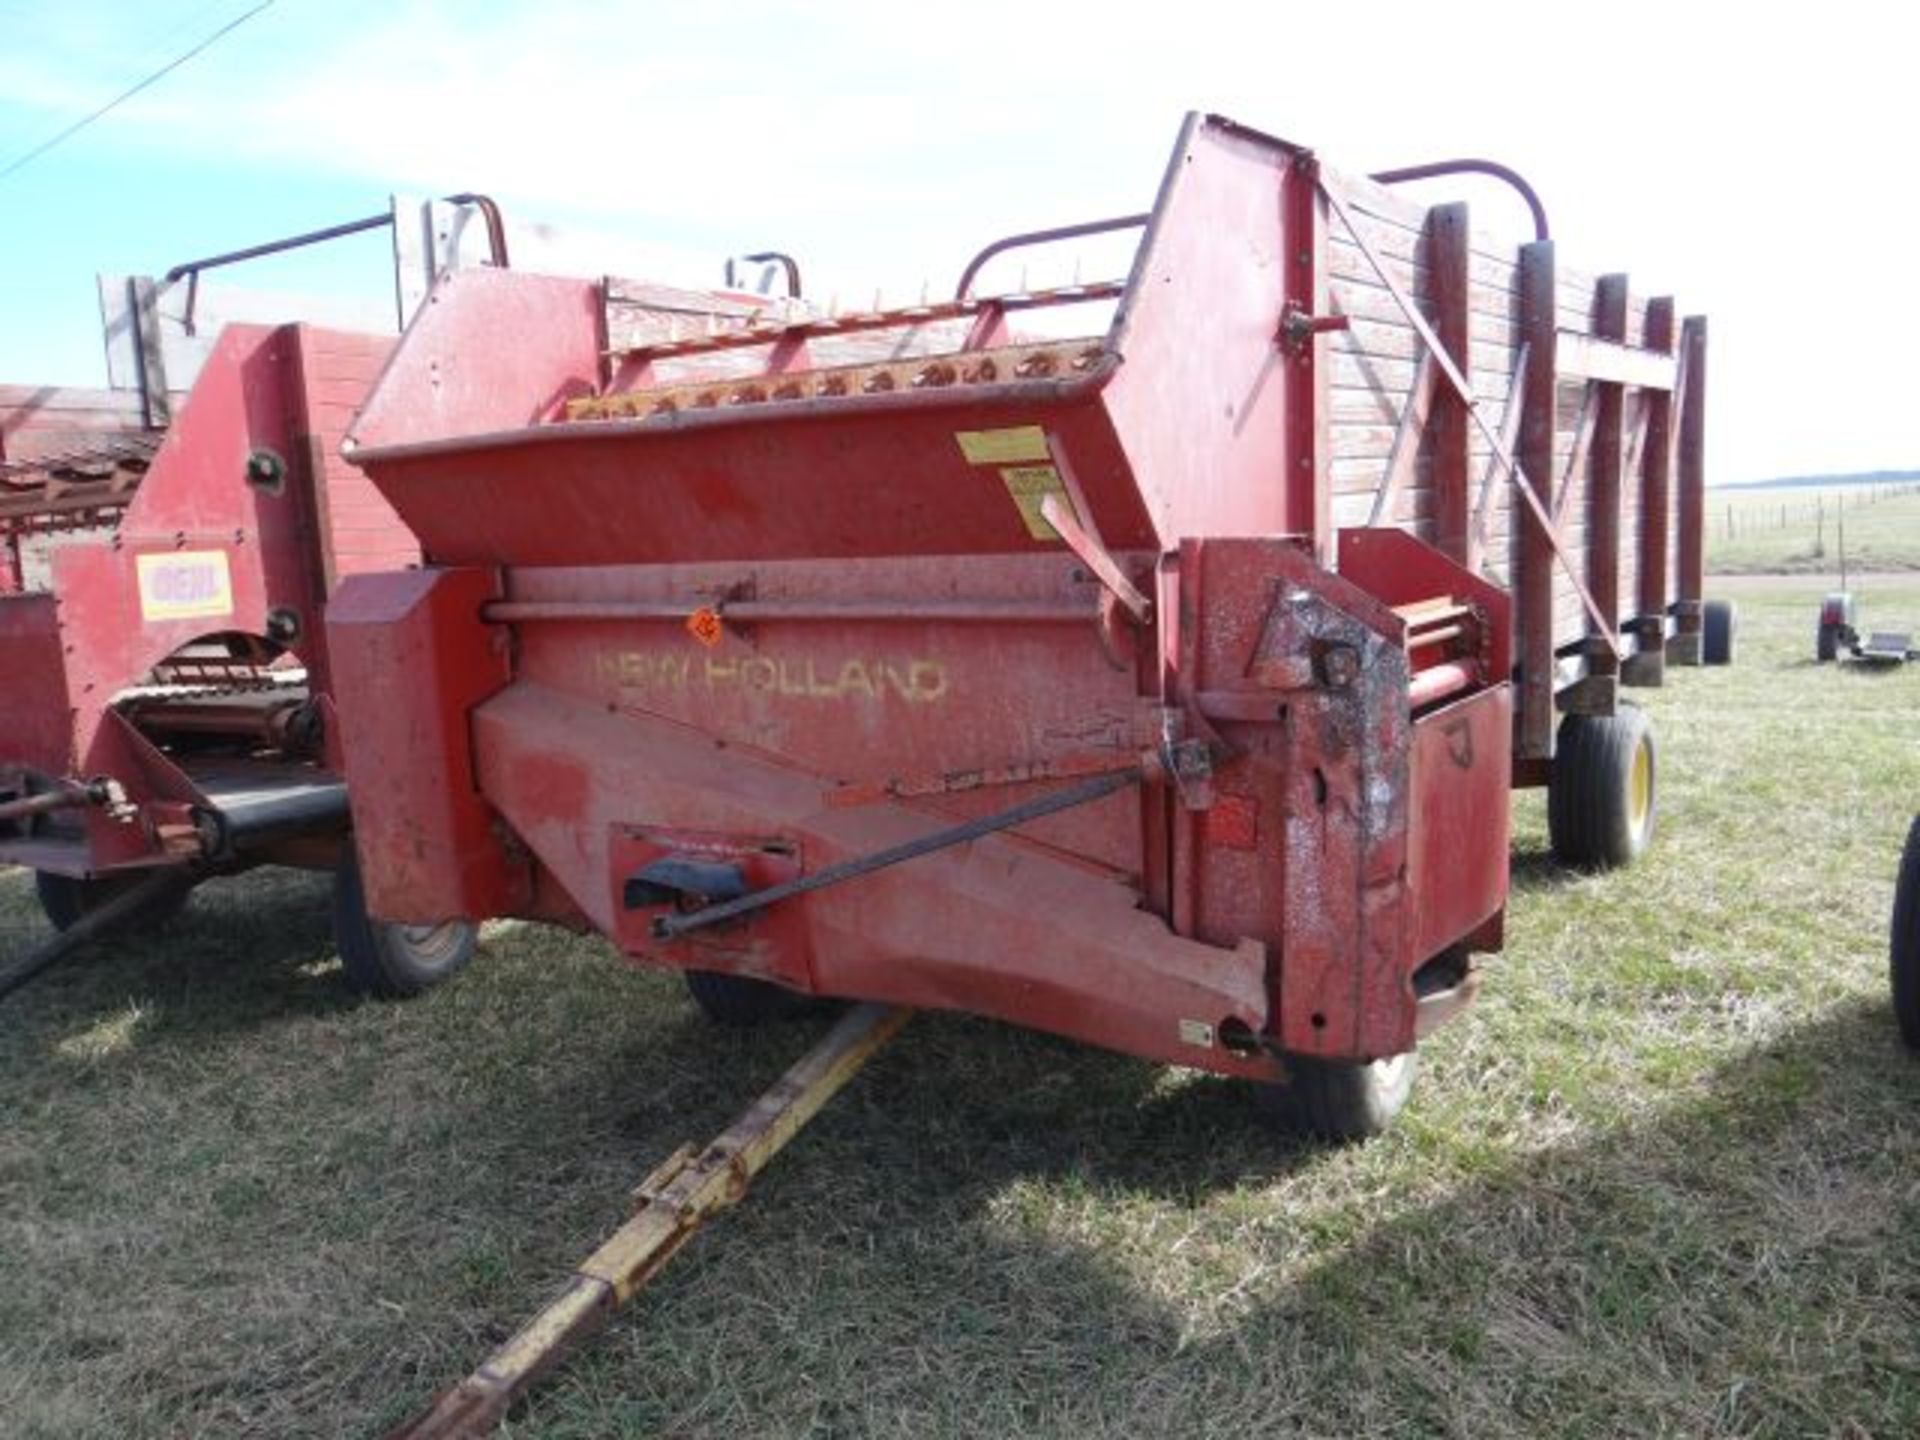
x=1690, y=532
x=1609, y=439
x=1532, y=555
x=1654, y=517
x=1449, y=237
x=1593, y=357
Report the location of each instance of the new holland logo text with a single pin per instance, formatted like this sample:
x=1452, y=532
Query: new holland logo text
x=917, y=682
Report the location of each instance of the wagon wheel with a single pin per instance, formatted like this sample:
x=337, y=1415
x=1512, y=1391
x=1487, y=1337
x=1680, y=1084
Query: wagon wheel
x=1603, y=796
x=1903, y=949
x=1339, y=1100
x=66, y=898
x=1717, y=631
x=389, y=959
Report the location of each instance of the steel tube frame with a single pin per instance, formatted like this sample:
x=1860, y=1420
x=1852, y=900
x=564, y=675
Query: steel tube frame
x=962, y=291
x=190, y=270
x=1436, y=168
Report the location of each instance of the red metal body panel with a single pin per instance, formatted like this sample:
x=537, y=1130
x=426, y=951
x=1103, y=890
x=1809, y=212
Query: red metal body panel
x=34, y=703
x=429, y=840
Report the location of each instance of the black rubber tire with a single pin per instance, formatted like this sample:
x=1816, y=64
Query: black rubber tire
x=1600, y=806
x=1903, y=947
x=65, y=899
x=1716, y=632
x=1826, y=643
x=1339, y=1100
x=741, y=1000
x=389, y=960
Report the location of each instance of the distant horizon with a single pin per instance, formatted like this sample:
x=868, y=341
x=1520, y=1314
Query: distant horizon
x=1820, y=480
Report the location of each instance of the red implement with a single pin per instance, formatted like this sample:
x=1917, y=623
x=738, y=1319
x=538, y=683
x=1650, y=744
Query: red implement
x=895, y=656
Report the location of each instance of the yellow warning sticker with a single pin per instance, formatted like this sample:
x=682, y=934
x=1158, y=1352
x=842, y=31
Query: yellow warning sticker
x=1029, y=485
x=184, y=585
x=1003, y=447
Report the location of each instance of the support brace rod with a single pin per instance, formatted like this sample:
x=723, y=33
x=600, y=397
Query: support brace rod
x=65, y=795
x=95, y=923
x=673, y=1202
x=671, y=927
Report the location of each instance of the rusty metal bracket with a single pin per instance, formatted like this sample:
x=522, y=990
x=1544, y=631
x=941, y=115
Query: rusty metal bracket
x=1298, y=327
x=672, y=1203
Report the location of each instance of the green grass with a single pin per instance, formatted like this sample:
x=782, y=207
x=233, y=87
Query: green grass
x=1663, y=1180
x=1797, y=531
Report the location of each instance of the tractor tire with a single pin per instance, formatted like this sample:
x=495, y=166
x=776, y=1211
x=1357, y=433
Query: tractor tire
x=741, y=1000
x=1826, y=643
x=1716, y=637
x=1903, y=948
x=390, y=960
x=66, y=899
x=1602, y=797
x=1339, y=1100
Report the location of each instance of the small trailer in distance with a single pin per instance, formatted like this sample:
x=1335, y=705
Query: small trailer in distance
x=1161, y=687
x=1839, y=637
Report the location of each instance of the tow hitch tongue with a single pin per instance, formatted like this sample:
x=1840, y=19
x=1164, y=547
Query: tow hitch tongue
x=670, y=1205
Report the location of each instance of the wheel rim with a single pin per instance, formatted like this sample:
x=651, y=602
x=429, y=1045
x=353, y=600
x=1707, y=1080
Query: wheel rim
x=1640, y=786
x=1388, y=1069
x=430, y=945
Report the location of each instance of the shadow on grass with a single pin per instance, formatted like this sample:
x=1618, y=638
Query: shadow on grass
x=991, y=1232
x=1532, y=871
x=244, y=950
x=1744, y=1260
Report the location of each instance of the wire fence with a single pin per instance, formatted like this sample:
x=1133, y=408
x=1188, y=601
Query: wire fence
x=1755, y=515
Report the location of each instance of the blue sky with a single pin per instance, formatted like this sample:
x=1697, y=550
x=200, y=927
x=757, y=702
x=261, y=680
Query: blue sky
x=1749, y=167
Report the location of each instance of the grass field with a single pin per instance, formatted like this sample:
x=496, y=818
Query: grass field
x=1663, y=1180
x=1798, y=531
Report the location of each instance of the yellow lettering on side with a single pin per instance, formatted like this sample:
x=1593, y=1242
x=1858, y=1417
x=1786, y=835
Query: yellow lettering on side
x=854, y=678
x=926, y=680
x=917, y=682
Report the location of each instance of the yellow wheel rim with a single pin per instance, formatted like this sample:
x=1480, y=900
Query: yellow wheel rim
x=1640, y=786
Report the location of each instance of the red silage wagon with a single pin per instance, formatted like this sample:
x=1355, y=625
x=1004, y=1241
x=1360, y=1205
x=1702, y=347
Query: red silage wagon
x=166, y=713
x=1161, y=687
